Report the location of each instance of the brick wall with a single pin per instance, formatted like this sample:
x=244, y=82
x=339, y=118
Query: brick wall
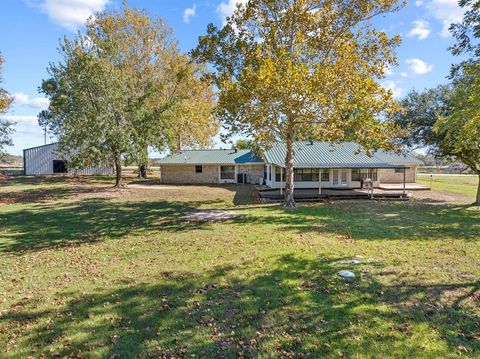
x=388, y=175
x=187, y=174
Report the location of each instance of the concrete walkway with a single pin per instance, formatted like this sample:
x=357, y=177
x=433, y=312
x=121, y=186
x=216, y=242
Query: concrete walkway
x=399, y=186
x=212, y=215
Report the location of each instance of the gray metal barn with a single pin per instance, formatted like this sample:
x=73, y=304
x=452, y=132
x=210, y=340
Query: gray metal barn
x=44, y=160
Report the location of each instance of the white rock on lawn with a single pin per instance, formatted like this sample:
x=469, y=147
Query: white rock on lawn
x=345, y=274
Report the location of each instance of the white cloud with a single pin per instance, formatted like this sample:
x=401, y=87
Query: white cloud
x=19, y=119
x=71, y=14
x=446, y=11
x=421, y=29
x=404, y=74
x=392, y=86
x=226, y=9
x=189, y=12
x=25, y=100
x=418, y=3
x=419, y=67
x=388, y=71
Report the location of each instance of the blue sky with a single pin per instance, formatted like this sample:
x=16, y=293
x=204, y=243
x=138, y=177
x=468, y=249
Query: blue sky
x=31, y=30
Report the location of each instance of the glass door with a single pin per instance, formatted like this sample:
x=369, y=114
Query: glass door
x=335, y=177
x=344, y=177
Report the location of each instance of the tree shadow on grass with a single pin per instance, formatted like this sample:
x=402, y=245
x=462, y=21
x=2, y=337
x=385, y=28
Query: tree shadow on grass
x=90, y=220
x=56, y=179
x=44, y=195
x=244, y=194
x=298, y=307
x=85, y=221
x=371, y=221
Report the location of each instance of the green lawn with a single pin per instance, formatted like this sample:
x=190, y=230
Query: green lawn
x=462, y=184
x=87, y=271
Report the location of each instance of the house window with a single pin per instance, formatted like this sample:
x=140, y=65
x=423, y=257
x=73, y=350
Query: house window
x=325, y=175
x=359, y=174
x=198, y=169
x=399, y=170
x=277, y=174
x=227, y=172
x=306, y=175
x=59, y=166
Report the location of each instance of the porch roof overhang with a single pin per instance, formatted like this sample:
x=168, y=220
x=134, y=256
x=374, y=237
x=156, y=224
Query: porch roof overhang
x=346, y=165
x=314, y=154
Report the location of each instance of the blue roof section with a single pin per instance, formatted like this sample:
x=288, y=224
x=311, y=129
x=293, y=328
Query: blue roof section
x=219, y=157
x=331, y=155
x=307, y=154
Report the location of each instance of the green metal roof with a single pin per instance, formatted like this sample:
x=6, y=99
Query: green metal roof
x=306, y=154
x=220, y=157
x=329, y=155
x=392, y=157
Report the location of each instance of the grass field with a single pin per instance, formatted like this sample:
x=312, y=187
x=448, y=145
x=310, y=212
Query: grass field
x=463, y=184
x=88, y=271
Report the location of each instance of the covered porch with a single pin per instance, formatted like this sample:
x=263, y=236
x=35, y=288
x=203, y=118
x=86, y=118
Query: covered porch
x=311, y=194
x=335, y=177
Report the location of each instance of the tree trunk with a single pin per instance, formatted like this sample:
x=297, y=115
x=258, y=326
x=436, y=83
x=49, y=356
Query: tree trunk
x=289, y=184
x=143, y=162
x=142, y=171
x=179, y=143
x=477, y=202
x=118, y=172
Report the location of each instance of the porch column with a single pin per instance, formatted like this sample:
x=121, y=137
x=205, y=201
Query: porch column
x=281, y=180
x=404, y=180
x=319, y=181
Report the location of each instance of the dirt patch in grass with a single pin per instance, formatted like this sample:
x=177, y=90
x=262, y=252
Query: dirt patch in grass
x=210, y=215
x=152, y=186
x=74, y=188
x=439, y=197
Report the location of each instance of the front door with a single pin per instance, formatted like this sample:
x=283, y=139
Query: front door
x=340, y=177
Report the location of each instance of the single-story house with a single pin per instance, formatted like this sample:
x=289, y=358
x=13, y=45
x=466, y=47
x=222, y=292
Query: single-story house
x=46, y=160
x=316, y=164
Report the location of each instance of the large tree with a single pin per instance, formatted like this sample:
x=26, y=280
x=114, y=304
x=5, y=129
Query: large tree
x=6, y=127
x=89, y=106
x=460, y=129
x=146, y=52
x=420, y=111
x=192, y=124
x=459, y=132
x=289, y=70
x=113, y=95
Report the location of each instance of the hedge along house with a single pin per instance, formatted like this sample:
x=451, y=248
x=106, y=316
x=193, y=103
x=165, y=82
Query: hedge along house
x=316, y=165
x=46, y=160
